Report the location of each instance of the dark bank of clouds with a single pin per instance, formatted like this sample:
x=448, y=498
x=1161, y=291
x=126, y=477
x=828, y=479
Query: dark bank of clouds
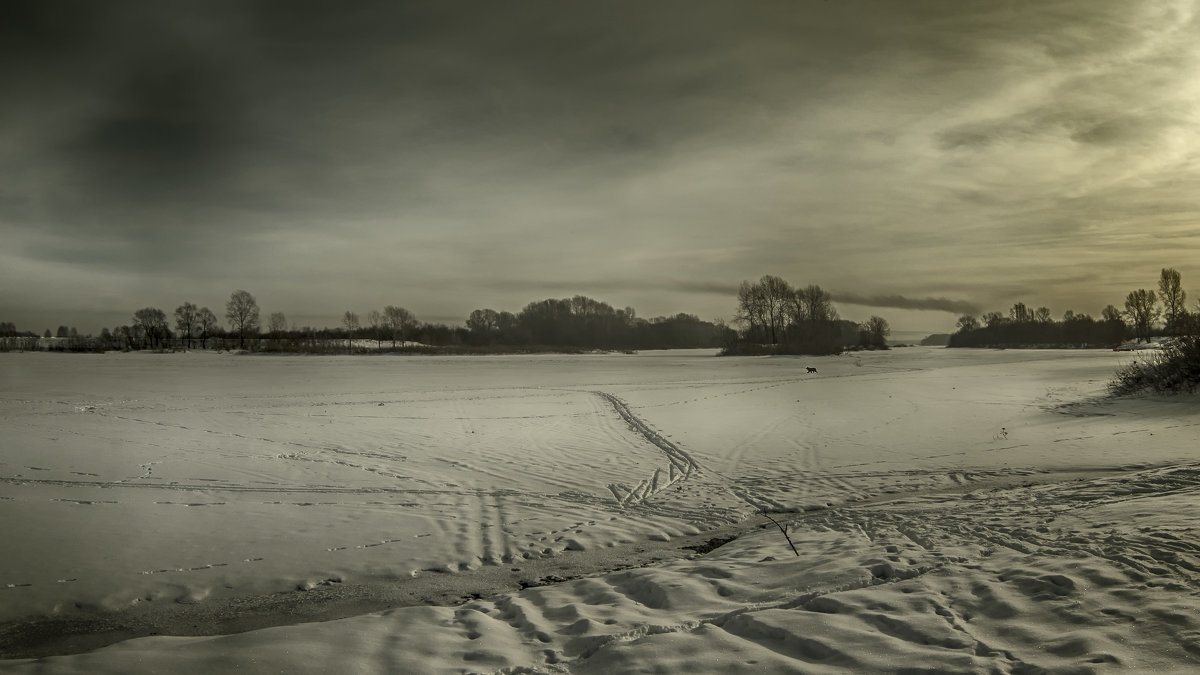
x=455, y=154
x=621, y=285
x=958, y=307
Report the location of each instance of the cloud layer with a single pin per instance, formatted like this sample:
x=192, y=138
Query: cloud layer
x=450, y=156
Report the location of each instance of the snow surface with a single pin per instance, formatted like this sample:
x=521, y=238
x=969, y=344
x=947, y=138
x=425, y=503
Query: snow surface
x=953, y=510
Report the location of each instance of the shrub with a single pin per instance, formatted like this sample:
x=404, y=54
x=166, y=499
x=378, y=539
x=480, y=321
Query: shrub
x=1173, y=369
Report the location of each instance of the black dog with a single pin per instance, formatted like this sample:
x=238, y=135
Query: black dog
x=811, y=369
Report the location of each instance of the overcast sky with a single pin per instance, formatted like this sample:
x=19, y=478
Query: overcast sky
x=917, y=159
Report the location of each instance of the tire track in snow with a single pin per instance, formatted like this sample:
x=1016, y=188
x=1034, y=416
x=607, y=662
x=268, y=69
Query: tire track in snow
x=681, y=468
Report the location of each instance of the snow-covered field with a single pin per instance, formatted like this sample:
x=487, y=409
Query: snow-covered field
x=953, y=510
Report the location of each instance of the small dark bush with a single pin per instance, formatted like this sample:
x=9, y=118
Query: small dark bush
x=1174, y=369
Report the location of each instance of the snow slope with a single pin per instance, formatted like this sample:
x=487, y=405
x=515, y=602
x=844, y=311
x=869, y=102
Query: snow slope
x=959, y=510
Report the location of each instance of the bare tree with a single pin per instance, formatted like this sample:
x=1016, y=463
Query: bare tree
x=484, y=322
x=967, y=323
x=507, y=321
x=1142, y=309
x=123, y=335
x=185, y=321
x=876, y=330
x=350, y=321
x=815, y=305
x=1110, y=313
x=1173, y=296
x=399, y=321
x=242, y=313
x=752, y=310
x=277, y=324
x=772, y=311
x=153, y=324
x=778, y=299
x=206, y=321
x=375, y=320
x=1020, y=313
x=1042, y=315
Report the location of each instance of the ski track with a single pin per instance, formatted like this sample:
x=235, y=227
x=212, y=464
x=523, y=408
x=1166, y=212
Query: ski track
x=681, y=467
x=697, y=507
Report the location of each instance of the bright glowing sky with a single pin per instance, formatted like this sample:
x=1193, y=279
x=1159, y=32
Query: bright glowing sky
x=918, y=158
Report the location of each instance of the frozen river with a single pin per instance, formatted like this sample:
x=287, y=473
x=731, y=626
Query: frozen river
x=155, y=480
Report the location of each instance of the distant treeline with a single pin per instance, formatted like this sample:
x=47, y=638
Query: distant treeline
x=1074, y=330
x=567, y=324
x=586, y=323
x=1025, y=327
x=774, y=318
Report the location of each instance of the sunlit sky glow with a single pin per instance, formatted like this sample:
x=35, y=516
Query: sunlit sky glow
x=917, y=159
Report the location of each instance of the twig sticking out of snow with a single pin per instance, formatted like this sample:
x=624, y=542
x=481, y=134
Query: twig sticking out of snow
x=784, y=531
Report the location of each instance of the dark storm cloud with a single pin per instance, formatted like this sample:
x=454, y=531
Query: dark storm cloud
x=173, y=126
x=710, y=287
x=32, y=27
x=131, y=126
x=585, y=286
x=210, y=107
x=456, y=154
x=901, y=302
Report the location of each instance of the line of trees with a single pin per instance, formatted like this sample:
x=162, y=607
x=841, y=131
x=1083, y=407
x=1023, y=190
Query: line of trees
x=1139, y=319
x=776, y=317
x=552, y=324
x=9, y=329
x=65, y=338
x=396, y=324
x=573, y=323
x=772, y=317
x=584, y=323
